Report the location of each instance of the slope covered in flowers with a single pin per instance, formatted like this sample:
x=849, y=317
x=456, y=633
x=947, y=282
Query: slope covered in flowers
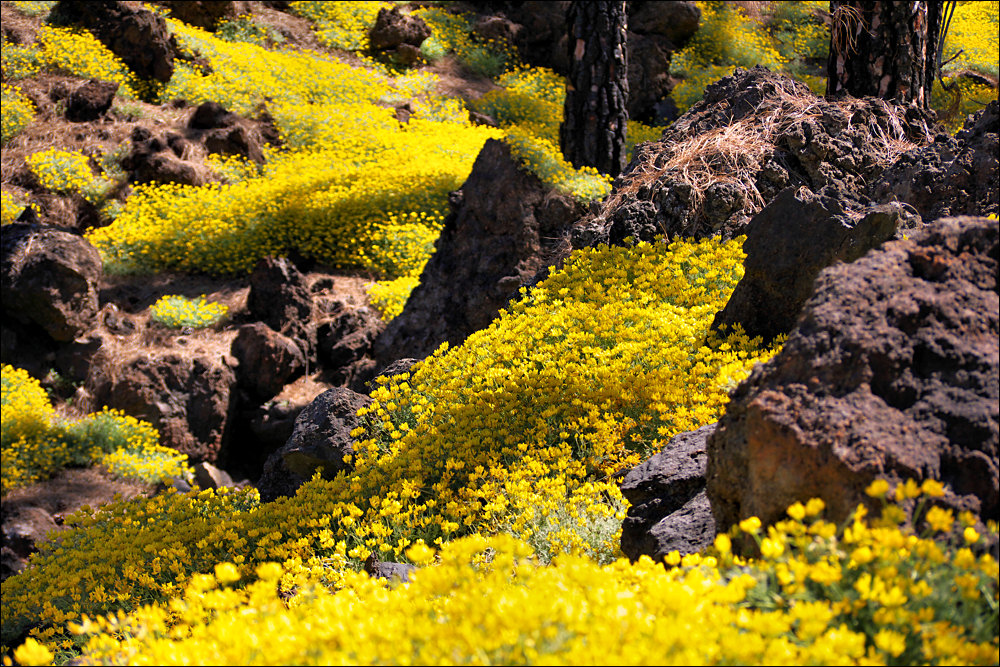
x=493, y=466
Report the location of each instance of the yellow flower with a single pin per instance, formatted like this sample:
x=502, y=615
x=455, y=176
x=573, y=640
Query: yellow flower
x=878, y=488
x=932, y=488
x=797, y=511
x=971, y=535
x=750, y=525
x=940, y=519
x=33, y=653
x=723, y=544
x=891, y=642
x=226, y=573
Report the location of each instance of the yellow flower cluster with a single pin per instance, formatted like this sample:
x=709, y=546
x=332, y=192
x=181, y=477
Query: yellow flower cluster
x=19, y=62
x=726, y=38
x=341, y=25
x=245, y=75
x=819, y=594
x=79, y=53
x=453, y=33
x=10, y=208
x=17, y=112
x=516, y=431
x=36, y=444
x=973, y=31
x=389, y=296
x=61, y=171
x=175, y=311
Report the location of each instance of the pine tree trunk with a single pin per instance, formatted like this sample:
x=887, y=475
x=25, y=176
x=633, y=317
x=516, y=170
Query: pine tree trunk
x=594, y=121
x=884, y=49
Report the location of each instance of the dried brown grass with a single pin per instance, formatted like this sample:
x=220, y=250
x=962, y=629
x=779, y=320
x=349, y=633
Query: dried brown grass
x=735, y=153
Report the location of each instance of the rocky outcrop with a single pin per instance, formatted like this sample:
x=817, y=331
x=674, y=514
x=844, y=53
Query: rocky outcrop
x=280, y=298
x=669, y=508
x=205, y=15
x=137, y=36
x=161, y=158
x=503, y=227
x=398, y=34
x=50, y=280
x=345, y=340
x=90, y=101
x=957, y=175
x=892, y=372
x=789, y=242
x=753, y=135
x=267, y=360
x=187, y=397
x=321, y=441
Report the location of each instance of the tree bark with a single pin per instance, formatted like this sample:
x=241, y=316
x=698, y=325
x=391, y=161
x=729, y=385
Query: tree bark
x=593, y=130
x=884, y=49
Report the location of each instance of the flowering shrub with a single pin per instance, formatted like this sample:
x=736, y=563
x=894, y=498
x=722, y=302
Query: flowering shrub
x=389, y=296
x=19, y=62
x=61, y=171
x=341, y=25
x=864, y=593
x=176, y=312
x=80, y=54
x=726, y=38
x=36, y=444
x=10, y=208
x=17, y=112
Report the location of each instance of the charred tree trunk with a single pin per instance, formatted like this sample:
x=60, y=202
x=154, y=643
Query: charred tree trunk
x=884, y=49
x=592, y=133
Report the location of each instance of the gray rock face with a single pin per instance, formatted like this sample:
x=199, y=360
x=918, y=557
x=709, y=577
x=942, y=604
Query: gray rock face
x=789, y=242
x=321, y=440
x=891, y=371
x=669, y=509
x=957, y=175
x=50, y=280
x=502, y=228
x=753, y=135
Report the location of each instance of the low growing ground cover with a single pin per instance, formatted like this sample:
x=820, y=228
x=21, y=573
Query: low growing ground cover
x=492, y=466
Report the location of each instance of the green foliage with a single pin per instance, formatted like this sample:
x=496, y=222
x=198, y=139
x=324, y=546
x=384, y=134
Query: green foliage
x=244, y=29
x=36, y=444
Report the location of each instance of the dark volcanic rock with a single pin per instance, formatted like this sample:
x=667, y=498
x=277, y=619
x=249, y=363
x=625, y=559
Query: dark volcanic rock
x=320, y=441
x=392, y=29
x=280, y=298
x=754, y=134
x=90, y=101
x=205, y=14
x=137, y=36
x=892, y=371
x=669, y=509
x=212, y=115
x=50, y=279
x=267, y=359
x=789, y=242
x=954, y=175
x=23, y=528
x=188, y=398
x=502, y=228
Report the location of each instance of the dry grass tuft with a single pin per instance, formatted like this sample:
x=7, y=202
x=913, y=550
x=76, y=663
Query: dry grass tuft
x=735, y=153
